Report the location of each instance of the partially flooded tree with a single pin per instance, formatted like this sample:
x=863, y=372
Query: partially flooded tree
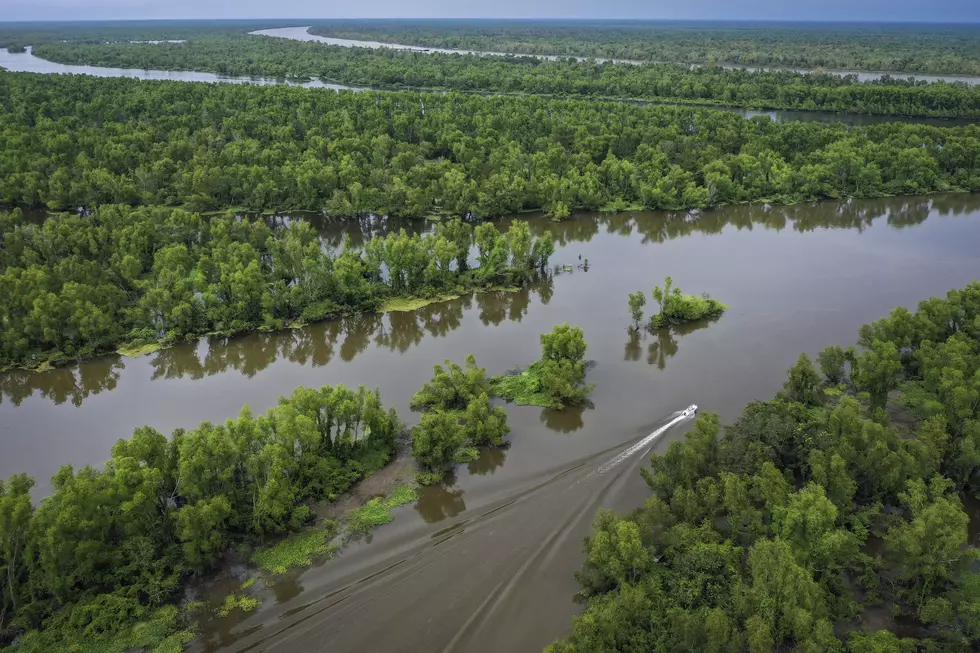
x=637, y=301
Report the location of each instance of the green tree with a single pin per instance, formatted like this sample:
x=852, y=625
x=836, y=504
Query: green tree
x=485, y=424
x=878, y=371
x=637, y=301
x=803, y=384
x=437, y=440
x=832, y=361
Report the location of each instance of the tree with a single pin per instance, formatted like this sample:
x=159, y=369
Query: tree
x=637, y=301
x=485, y=424
x=878, y=371
x=564, y=343
x=803, y=384
x=832, y=361
x=453, y=389
x=436, y=441
x=928, y=549
x=16, y=514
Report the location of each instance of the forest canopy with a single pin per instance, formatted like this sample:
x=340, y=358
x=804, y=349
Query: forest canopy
x=243, y=55
x=856, y=46
x=830, y=518
x=70, y=141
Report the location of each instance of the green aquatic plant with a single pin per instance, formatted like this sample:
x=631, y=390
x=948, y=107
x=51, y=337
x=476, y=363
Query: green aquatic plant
x=295, y=550
x=378, y=511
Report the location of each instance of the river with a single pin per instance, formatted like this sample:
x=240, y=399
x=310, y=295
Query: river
x=303, y=34
x=27, y=62
x=485, y=561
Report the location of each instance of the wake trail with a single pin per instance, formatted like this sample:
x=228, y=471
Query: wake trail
x=639, y=446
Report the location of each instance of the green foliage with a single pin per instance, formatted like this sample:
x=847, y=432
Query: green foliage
x=677, y=308
x=377, y=511
x=108, y=547
x=295, y=550
x=832, y=361
x=637, y=301
x=167, y=275
x=758, y=537
x=873, y=47
x=162, y=631
x=458, y=414
x=435, y=159
x=436, y=440
x=452, y=388
x=710, y=84
x=236, y=601
x=803, y=384
x=557, y=380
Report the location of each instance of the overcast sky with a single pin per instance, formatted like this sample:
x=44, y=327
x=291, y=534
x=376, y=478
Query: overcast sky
x=880, y=10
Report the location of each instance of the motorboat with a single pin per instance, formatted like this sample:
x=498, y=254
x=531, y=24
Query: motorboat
x=690, y=411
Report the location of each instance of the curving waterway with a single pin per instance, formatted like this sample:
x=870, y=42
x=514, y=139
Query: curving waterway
x=484, y=562
x=303, y=34
x=28, y=62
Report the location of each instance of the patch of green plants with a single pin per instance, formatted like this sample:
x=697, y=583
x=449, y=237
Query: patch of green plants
x=428, y=478
x=234, y=600
x=377, y=511
x=523, y=388
x=161, y=631
x=296, y=550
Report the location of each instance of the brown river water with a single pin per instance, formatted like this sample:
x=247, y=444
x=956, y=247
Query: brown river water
x=485, y=561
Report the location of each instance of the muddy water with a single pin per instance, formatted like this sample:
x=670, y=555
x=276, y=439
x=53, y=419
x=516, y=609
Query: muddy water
x=485, y=562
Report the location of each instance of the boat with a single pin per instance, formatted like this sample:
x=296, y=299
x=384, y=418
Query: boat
x=690, y=411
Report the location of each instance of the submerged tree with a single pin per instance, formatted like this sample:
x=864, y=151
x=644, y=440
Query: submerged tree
x=637, y=301
x=677, y=308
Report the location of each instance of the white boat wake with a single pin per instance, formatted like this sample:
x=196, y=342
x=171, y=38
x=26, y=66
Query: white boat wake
x=685, y=414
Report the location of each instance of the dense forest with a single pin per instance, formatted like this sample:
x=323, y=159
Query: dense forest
x=830, y=518
x=111, y=547
x=282, y=58
x=80, y=285
x=19, y=35
x=70, y=141
x=836, y=46
x=895, y=48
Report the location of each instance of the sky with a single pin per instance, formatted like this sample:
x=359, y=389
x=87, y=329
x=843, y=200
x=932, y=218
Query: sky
x=830, y=10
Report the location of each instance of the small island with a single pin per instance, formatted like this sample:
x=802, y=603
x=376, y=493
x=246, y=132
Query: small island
x=675, y=307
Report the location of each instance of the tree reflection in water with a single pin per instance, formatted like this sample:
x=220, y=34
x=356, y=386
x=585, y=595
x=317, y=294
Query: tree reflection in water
x=318, y=344
x=490, y=459
x=663, y=343
x=438, y=502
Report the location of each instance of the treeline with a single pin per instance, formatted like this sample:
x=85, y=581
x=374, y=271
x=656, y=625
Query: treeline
x=897, y=48
x=830, y=518
x=69, y=141
x=111, y=547
x=392, y=69
x=80, y=285
x=343, y=339
x=18, y=35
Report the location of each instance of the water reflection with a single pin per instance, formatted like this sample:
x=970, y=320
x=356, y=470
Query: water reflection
x=662, y=342
x=566, y=420
x=438, y=502
x=490, y=459
x=319, y=344
x=661, y=226
x=74, y=383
